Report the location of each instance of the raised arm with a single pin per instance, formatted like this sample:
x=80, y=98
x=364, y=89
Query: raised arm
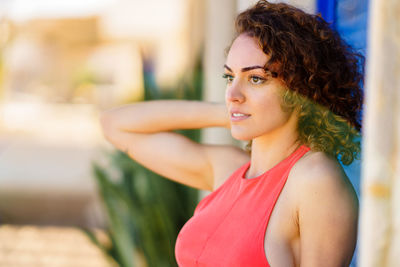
x=142, y=131
x=166, y=115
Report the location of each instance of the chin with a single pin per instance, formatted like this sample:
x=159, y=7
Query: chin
x=241, y=136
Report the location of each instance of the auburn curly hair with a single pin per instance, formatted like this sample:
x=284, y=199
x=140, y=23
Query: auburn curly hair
x=321, y=129
x=308, y=56
x=323, y=73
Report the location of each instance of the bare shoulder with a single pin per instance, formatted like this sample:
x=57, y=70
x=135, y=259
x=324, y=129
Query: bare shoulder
x=327, y=210
x=225, y=159
x=317, y=170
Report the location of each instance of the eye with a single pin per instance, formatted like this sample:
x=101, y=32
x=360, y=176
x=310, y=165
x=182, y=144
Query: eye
x=256, y=80
x=228, y=78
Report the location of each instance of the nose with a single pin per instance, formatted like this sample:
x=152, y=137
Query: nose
x=234, y=93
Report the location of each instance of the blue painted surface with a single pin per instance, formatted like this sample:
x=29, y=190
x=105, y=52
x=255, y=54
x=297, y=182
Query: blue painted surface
x=327, y=8
x=351, y=22
x=349, y=18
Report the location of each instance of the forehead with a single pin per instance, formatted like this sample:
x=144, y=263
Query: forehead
x=245, y=52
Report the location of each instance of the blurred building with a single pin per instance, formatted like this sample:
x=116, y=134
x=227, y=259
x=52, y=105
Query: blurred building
x=58, y=73
x=61, y=67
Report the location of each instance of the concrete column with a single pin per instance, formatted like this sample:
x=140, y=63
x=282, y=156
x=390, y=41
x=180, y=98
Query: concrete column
x=380, y=206
x=220, y=16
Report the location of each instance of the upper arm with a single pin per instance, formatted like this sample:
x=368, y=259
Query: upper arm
x=328, y=215
x=176, y=157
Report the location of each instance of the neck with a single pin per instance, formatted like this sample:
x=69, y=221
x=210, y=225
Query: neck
x=269, y=150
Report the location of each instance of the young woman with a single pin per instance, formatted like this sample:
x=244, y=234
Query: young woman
x=293, y=91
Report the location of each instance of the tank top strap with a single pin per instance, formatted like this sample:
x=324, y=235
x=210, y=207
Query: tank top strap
x=279, y=173
x=296, y=155
x=281, y=167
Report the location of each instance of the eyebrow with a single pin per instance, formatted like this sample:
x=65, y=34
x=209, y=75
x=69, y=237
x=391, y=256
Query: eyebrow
x=246, y=68
x=274, y=74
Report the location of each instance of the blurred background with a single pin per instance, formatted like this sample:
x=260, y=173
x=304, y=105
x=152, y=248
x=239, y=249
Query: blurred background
x=67, y=198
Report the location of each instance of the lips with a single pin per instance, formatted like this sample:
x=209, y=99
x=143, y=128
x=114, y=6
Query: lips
x=238, y=116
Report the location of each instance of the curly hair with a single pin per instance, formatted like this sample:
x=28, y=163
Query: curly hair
x=321, y=129
x=323, y=73
x=308, y=56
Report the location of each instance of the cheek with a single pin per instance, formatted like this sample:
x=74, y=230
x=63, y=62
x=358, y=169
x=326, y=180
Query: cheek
x=271, y=109
x=269, y=105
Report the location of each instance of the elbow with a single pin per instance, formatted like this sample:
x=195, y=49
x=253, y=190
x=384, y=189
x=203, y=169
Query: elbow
x=104, y=119
x=106, y=125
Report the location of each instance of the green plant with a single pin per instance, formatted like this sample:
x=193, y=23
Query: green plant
x=145, y=211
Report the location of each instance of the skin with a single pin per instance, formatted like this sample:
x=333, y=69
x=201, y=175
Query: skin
x=314, y=221
x=252, y=90
x=316, y=184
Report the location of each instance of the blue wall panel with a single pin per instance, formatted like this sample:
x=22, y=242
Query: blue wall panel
x=327, y=8
x=349, y=18
x=351, y=22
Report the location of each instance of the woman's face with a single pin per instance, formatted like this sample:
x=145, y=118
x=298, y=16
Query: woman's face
x=253, y=96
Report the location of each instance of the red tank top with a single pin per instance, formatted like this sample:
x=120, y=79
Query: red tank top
x=228, y=226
